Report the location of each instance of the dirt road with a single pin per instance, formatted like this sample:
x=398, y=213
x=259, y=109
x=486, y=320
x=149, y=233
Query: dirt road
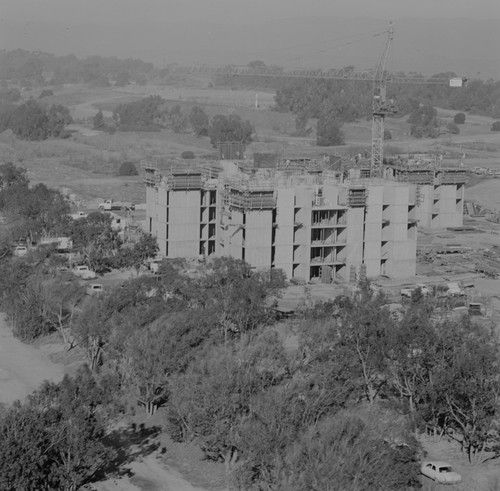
x=148, y=475
x=22, y=367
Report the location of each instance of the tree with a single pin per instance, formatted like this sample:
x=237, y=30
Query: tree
x=424, y=121
x=61, y=300
x=412, y=353
x=198, y=119
x=256, y=64
x=122, y=79
x=178, y=121
x=55, y=440
x=137, y=256
x=94, y=237
x=453, y=128
x=188, y=155
x=229, y=128
x=30, y=121
x=46, y=93
x=470, y=383
x=495, y=126
x=328, y=132
x=11, y=175
x=347, y=453
x=239, y=294
x=364, y=333
x=213, y=397
x=128, y=169
x=92, y=330
x=145, y=366
x=58, y=117
x=459, y=118
x=98, y=120
x=138, y=114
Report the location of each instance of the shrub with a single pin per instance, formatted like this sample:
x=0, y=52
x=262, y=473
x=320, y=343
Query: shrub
x=495, y=126
x=459, y=118
x=187, y=155
x=387, y=135
x=128, y=169
x=453, y=128
x=329, y=132
x=46, y=93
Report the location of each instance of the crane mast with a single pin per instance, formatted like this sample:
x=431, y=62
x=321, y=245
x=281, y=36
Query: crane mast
x=379, y=78
x=379, y=107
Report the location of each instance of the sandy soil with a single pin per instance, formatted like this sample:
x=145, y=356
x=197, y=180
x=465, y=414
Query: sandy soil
x=22, y=367
x=148, y=475
x=486, y=193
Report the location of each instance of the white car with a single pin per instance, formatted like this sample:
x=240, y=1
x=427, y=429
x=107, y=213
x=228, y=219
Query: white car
x=84, y=272
x=94, y=289
x=20, y=251
x=440, y=472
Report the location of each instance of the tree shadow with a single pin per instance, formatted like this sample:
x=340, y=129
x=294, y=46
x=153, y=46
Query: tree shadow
x=128, y=444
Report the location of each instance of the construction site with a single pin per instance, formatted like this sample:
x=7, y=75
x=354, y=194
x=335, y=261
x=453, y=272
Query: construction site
x=329, y=221
x=315, y=220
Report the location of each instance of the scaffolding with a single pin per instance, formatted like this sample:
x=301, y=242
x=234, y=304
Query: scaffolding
x=187, y=180
x=357, y=196
x=451, y=176
x=151, y=176
x=249, y=194
x=231, y=150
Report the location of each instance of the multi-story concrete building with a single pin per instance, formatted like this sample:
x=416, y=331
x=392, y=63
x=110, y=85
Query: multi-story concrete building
x=440, y=190
x=314, y=224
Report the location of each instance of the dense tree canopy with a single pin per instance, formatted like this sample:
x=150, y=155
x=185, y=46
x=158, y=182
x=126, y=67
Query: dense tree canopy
x=139, y=115
x=229, y=128
x=34, y=121
x=198, y=119
x=55, y=440
x=424, y=122
x=27, y=67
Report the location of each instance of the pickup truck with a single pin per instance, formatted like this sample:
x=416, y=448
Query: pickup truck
x=110, y=205
x=84, y=272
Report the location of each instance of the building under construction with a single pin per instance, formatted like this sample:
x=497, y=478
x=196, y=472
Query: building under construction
x=440, y=189
x=314, y=220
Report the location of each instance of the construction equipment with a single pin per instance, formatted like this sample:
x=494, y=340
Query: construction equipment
x=379, y=77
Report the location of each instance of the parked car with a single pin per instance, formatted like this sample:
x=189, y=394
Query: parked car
x=20, y=251
x=94, y=289
x=440, y=472
x=84, y=272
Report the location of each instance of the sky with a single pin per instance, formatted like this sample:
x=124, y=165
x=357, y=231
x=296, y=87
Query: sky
x=430, y=35
x=126, y=11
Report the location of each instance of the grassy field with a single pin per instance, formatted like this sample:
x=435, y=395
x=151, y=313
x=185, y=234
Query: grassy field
x=87, y=162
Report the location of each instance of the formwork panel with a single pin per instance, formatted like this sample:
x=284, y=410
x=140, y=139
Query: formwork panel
x=184, y=224
x=402, y=263
x=423, y=211
x=284, y=232
x=354, y=252
x=258, y=238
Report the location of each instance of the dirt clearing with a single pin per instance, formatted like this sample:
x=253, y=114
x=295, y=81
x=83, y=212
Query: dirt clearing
x=22, y=367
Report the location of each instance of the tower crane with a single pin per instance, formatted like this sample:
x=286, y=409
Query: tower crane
x=379, y=107
x=379, y=78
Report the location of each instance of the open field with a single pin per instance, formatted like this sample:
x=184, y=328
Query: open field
x=86, y=164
